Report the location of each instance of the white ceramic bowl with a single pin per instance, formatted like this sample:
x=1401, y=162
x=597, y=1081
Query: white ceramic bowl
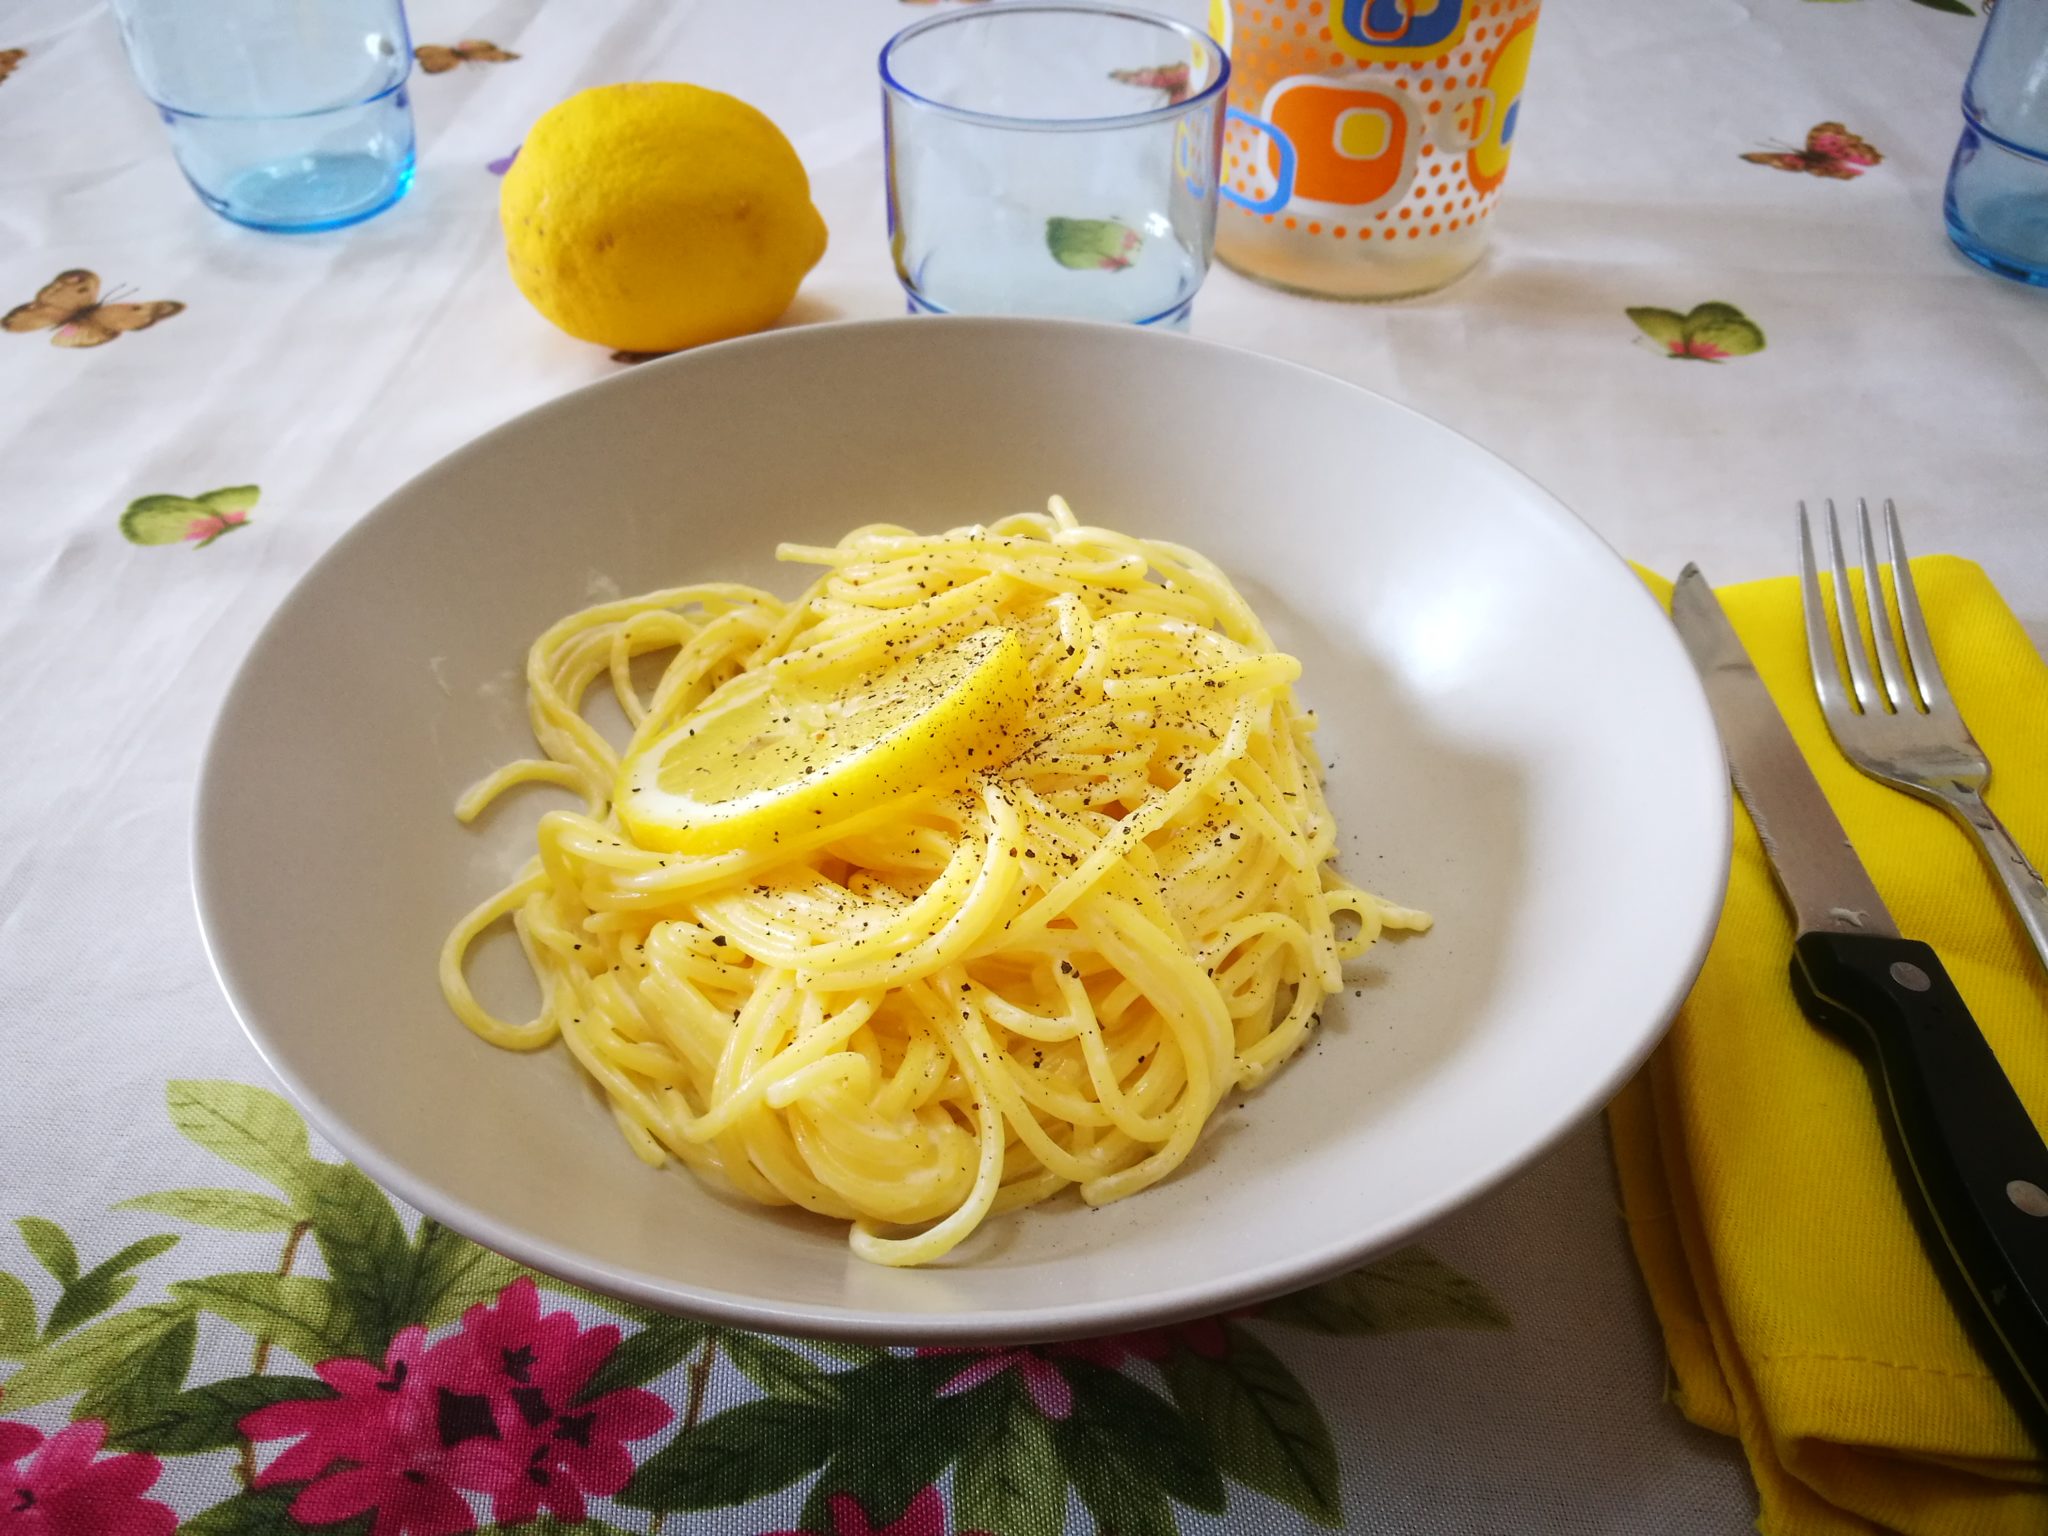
x=1518, y=744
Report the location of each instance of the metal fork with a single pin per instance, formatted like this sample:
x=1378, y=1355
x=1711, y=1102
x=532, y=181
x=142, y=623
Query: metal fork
x=1902, y=727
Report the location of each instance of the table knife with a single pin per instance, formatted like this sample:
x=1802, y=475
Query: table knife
x=1969, y=1160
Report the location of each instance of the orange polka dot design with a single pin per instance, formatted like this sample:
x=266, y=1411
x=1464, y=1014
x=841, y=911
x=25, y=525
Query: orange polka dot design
x=1355, y=118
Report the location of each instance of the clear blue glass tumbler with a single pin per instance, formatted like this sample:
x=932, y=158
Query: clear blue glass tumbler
x=284, y=114
x=1997, y=203
x=1047, y=157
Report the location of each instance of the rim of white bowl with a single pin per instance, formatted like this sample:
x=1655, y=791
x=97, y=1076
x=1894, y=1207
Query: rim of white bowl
x=1013, y=1325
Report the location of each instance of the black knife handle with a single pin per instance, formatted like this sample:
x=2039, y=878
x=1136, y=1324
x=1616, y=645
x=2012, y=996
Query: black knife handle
x=1960, y=1135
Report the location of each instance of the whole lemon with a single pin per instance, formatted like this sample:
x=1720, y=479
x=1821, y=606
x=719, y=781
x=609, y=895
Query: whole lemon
x=655, y=216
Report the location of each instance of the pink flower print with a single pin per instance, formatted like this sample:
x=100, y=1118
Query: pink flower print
x=552, y=1449
x=580, y=1450
x=1693, y=346
x=524, y=1357
x=204, y=530
x=400, y=1439
x=492, y=1409
x=1043, y=1383
x=410, y=1503
x=926, y=1516
x=59, y=1487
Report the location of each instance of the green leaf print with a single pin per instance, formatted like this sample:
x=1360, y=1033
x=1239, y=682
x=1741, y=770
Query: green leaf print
x=654, y=1351
x=299, y=1313
x=1119, y=1500
x=1092, y=245
x=1010, y=1478
x=250, y=1127
x=780, y=1372
x=451, y=1274
x=206, y=1418
x=368, y=1256
x=265, y=1512
x=891, y=1436
x=80, y=1361
x=230, y=1210
x=17, y=1317
x=1408, y=1289
x=145, y=1379
x=101, y=1287
x=1136, y=1429
x=1952, y=7
x=1261, y=1423
x=51, y=1247
x=735, y=1457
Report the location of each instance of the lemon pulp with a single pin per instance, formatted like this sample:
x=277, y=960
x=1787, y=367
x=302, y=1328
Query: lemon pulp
x=770, y=756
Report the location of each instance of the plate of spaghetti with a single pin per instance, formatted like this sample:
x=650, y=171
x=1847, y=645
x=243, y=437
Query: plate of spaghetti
x=736, y=843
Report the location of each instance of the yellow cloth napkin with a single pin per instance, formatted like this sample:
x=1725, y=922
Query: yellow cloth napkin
x=1799, y=1311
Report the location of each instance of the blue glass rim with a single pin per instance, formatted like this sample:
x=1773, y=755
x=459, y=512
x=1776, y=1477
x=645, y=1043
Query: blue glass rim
x=981, y=13
x=287, y=117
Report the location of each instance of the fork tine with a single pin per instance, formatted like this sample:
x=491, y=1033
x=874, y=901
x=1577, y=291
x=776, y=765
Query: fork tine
x=1926, y=671
x=1820, y=645
x=1845, y=615
x=1897, y=684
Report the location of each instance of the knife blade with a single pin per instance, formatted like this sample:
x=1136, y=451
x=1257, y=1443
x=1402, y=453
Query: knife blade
x=1972, y=1166
x=1810, y=853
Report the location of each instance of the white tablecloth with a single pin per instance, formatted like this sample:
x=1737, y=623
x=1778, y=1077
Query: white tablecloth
x=327, y=369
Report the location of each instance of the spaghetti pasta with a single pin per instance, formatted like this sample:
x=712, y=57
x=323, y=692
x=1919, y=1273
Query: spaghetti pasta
x=1041, y=972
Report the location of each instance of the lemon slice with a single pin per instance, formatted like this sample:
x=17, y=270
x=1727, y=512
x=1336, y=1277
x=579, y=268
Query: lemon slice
x=805, y=753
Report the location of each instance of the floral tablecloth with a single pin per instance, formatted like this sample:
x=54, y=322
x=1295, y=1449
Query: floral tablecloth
x=209, y=1324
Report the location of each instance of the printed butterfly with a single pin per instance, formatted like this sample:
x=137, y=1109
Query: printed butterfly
x=1707, y=334
x=10, y=60
x=71, y=304
x=1170, y=78
x=438, y=60
x=1101, y=245
x=1831, y=151
x=196, y=520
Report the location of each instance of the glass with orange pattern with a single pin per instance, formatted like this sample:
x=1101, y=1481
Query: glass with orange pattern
x=1367, y=140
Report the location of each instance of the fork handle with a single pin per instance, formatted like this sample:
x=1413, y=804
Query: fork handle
x=1970, y=1164
x=2022, y=882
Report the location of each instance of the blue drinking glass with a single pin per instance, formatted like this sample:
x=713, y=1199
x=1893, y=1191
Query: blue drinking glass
x=1997, y=204
x=285, y=115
